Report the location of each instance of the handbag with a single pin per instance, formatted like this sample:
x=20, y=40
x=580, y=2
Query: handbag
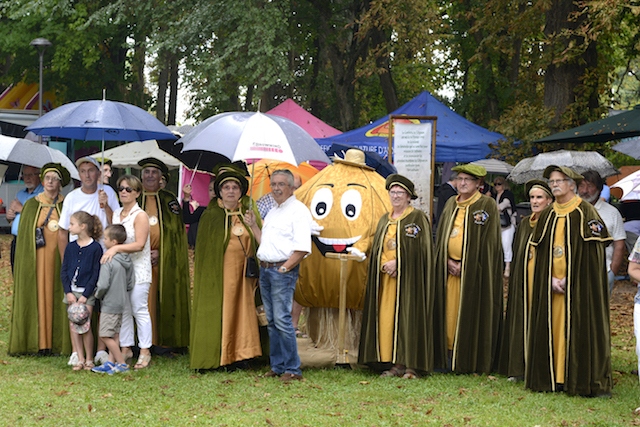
x=505, y=221
x=252, y=271
x=40, y=241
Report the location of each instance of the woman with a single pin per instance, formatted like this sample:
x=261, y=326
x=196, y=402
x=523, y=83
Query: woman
x=193, y=218
x=521, y=283
x=224, y=325
x=136, y=222
x=38, y=318
x=507, y=206
x=396, y=323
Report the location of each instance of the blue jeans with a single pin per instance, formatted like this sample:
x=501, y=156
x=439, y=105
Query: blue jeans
x=277, y=296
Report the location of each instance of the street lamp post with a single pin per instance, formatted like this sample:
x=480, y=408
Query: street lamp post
x=41, y=44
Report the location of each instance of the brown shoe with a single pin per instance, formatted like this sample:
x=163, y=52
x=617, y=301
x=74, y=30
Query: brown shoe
x=287, y=376
x=270, y=374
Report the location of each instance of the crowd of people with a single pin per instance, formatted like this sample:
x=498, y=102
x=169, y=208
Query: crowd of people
x=428, y=307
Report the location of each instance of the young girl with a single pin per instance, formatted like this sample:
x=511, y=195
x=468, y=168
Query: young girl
x=79, y=274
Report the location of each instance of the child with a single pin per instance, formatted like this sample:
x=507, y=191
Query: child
x=115, y=281
x=79, y=274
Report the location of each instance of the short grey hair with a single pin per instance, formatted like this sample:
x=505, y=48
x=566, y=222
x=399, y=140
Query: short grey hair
x=287, y=173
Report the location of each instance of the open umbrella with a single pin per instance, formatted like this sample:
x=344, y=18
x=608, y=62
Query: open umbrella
x=371, y=158
x=630, y=186
x=630, y=147
x=128, y=155
x=579, y=161
x=31, y=153
x=262, y=170
x=494, y=166
x=623, y=125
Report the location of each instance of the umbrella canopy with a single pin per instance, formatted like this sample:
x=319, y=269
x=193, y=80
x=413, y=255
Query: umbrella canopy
x=101, y=121
x=243, y=136
x=31, y=153
x=630, y=187
x=371, y=158
x=623, y=125
x=630, y=147
x=262, y=170
x=579, y=161
x=128, y=155
x=494, y=166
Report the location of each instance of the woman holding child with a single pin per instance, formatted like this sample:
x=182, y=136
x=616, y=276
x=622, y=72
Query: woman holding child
x=224, y=325
x=136, y=222
x=39, y=320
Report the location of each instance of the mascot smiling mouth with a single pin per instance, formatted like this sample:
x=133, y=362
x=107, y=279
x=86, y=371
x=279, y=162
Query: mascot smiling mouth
x=325, y=244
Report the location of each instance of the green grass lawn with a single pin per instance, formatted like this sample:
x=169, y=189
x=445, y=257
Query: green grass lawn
x=44, y=391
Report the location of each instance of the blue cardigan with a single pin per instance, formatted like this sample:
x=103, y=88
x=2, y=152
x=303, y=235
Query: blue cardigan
x=87, y=261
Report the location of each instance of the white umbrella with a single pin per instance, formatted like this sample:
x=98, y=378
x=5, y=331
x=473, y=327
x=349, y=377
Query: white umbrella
x=630, y=186
x=128, y=155
x=494, y=166
x=579, y=161
x=23, y=151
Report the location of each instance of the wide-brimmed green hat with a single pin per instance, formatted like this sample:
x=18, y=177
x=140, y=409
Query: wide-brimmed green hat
x=106, y=161
x=155, y=163
x=469, y=169
x=565, y=170
x=231, y=175
x=538, y=183
x=62, y=172
x=402, y=181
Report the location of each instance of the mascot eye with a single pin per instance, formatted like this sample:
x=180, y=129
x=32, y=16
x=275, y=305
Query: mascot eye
x=351, y=203
x=321, y=203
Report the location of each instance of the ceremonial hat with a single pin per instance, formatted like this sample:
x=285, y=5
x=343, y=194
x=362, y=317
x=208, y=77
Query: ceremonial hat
x=474, y=170
x=404, y=182
x=62, y=172
x=231, y=174
x=106, y=161
x=154, y=163
x=538, y=183
x=565, y=170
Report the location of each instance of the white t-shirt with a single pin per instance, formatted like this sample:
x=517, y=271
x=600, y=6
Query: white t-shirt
x=78, y=200
x=615, y=225
x=286, y=229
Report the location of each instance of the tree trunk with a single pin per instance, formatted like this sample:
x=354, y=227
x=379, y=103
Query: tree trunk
x=163, y=82
x=379, y=38
x=173, y=90
x=248, y=104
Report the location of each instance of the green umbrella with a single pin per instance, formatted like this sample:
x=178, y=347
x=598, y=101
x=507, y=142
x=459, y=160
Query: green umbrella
x=623, y=125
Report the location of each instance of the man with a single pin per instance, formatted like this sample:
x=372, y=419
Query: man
x=445, y=192
x=267, y=202
x=33, y=187
x=90, y=199
x=469, y=284
x=107, y=171
x=284, y=240
x=590, y=190
x=169, y=295
x=569, y=344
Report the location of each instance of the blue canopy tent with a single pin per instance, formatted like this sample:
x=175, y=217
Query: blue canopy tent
x=457, y=139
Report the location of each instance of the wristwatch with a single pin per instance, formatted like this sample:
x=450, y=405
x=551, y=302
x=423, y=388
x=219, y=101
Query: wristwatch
x=283, y=269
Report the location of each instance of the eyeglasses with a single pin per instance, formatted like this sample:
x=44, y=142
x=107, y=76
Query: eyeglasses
x=465, y=179
x=497, y=183
x=51, y=179
x=397, y=193
x=278, y=185
x=127, y=189
x=557, y=181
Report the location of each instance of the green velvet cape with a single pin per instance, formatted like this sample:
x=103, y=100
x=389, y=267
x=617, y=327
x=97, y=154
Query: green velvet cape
x=174, y=293
x=206, y=321
x=512, y=347
x=413, y=340
x=23, y=337
x=481, y=288
x=588, y=335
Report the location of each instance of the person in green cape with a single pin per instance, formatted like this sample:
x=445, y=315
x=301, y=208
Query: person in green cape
x=38, y=316
x=398, y=304
x=469, y=284
x=514, y=339
x=224, y=325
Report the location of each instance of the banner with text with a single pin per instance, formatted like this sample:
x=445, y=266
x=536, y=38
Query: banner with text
x=412, y=154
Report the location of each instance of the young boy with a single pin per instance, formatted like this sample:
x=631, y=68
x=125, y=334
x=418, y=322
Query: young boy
x=115, y=280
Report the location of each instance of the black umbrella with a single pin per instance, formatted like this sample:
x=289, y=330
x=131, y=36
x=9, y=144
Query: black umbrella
x=623, y=125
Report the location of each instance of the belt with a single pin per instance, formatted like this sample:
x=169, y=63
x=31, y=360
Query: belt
x=265, y=264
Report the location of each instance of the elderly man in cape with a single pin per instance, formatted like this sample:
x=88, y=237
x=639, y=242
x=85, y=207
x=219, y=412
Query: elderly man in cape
x=169, y=295
x=569, y=338
x=469, y=285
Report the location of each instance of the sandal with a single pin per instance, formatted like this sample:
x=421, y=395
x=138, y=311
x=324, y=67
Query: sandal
x=143, y=362
x=78, y=366
x=393, y=372
x=410, y=374
x=89, y=365
x=127, y=356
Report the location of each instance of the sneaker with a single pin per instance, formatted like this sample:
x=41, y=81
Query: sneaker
x=119, y=368
x=73, y=360
x=105, y=368
x=101, y=358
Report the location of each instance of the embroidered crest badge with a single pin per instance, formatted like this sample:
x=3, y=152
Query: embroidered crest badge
x=174, y=207
x=596, y=227
x=480, y=217
x=412, y=230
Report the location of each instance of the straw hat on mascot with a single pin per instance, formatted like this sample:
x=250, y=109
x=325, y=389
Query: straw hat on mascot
x=347, y=199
